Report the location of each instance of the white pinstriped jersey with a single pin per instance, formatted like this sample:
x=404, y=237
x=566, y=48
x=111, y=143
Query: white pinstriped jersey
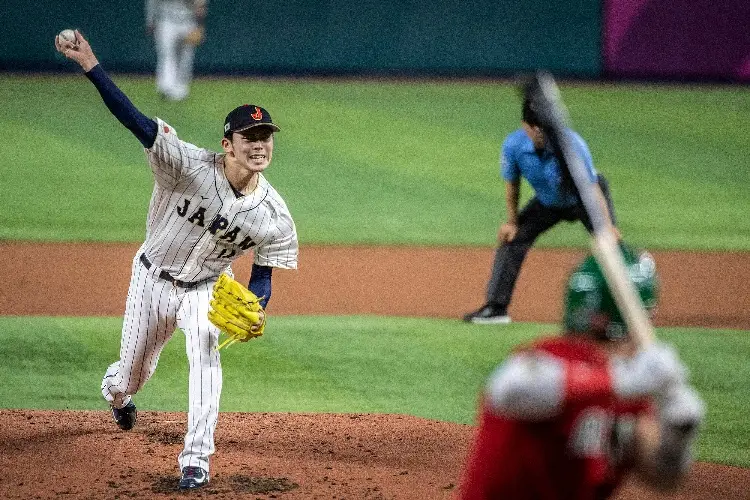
x=197, y=225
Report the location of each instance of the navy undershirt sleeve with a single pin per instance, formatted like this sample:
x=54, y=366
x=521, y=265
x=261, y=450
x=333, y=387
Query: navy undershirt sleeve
x=143, y=127
x=260, y=283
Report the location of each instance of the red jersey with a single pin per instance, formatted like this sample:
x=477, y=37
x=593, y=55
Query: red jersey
x=568, y=456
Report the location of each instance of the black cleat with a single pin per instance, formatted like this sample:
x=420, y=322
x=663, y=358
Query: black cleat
x=193, y=477
x=125, y=417
x=489, y=314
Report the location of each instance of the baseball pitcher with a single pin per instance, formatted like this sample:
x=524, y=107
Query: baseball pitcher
x=206, y=210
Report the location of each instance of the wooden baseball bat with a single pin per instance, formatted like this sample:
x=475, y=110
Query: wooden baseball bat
x=545, y=94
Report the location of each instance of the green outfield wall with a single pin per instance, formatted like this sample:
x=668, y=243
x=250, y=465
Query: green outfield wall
x=480, y=37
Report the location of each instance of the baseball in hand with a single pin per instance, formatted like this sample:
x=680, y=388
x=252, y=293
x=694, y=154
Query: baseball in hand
x=68, y=36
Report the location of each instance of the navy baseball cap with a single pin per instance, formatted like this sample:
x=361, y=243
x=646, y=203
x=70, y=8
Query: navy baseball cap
x=529, y=113
x=247, y=116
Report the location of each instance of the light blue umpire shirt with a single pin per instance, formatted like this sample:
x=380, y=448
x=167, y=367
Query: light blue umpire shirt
x=541, y=169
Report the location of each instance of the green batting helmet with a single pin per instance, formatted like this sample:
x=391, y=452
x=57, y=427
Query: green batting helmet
x=589, y=305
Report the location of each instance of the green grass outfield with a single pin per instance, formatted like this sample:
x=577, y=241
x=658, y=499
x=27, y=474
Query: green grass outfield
x=423, y=367
x=380, y=161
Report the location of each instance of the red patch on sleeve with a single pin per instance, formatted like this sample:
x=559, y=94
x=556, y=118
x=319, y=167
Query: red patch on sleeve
x=166, y=129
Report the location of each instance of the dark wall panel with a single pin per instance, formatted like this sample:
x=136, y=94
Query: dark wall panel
x=473, y=37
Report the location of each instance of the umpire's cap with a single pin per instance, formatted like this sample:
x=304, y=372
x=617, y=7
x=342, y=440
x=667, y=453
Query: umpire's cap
x=245, y=117
x=529, y=113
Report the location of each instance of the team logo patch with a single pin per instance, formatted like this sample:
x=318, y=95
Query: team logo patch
x=166, y=129
x=258, y=115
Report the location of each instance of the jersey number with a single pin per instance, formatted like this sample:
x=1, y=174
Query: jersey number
x=227, y=253
x=589, y=434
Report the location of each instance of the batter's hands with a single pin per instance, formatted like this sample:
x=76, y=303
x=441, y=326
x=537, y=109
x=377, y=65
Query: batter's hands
x=80, y=51
x=682, y=407
x=507, y=232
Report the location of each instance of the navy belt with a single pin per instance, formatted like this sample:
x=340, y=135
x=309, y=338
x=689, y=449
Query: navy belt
x=168, y=277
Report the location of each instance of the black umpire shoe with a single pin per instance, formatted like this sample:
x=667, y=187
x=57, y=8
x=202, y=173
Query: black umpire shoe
x=193, y=477
x=489, y=314
x=125, y=416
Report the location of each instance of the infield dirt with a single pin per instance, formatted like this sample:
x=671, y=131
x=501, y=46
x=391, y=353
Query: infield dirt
x=54, y=454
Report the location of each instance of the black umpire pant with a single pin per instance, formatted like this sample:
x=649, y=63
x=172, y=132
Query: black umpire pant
x=533, y=220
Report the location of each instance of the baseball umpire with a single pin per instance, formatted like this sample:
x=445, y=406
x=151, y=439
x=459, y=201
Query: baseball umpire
x=566, y=417
x=206, y=210
x=527, y=153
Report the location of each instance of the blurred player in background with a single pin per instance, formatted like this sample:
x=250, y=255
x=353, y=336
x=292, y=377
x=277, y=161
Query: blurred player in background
x=527, y=153
x=567, y=416
x=178, y=28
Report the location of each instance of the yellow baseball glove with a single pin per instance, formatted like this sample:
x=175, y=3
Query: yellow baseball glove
x=236, y=311
x=196, y=36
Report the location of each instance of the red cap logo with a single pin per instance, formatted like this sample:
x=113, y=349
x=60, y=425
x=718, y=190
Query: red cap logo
x=258, y=115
